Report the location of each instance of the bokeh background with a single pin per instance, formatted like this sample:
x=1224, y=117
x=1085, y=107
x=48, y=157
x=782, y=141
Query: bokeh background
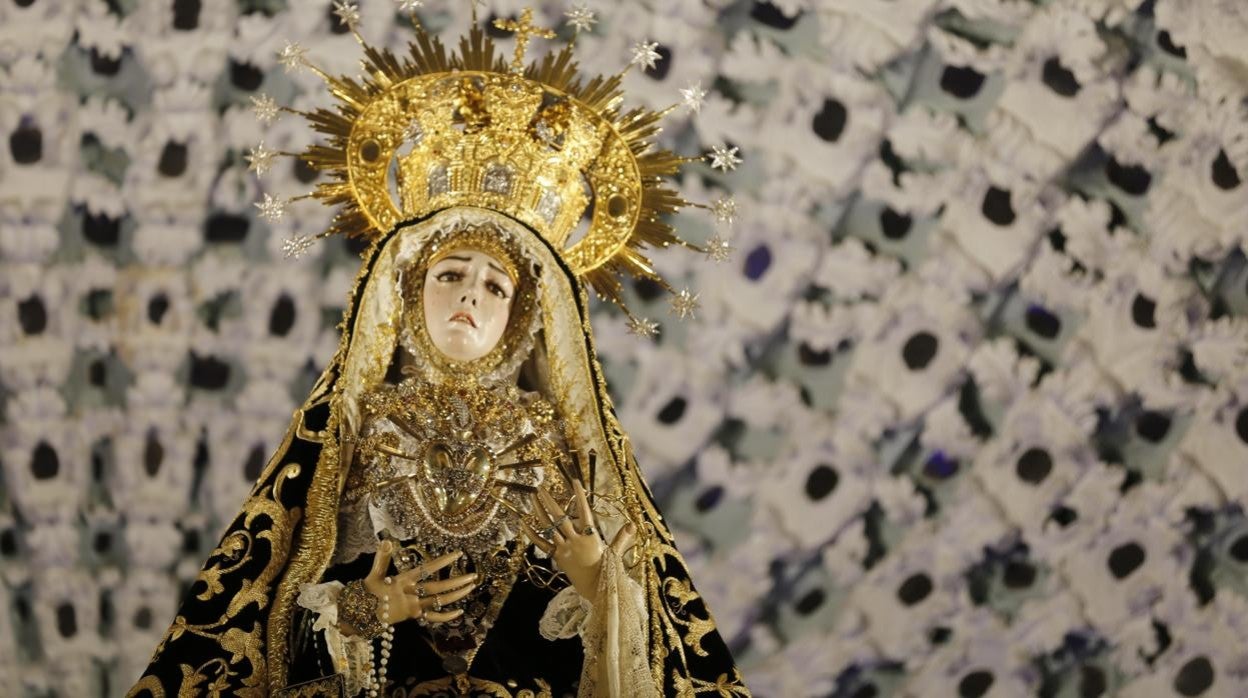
x=966, y=414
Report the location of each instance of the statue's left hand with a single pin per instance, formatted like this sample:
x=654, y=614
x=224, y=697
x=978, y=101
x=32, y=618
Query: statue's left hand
x=573, y=540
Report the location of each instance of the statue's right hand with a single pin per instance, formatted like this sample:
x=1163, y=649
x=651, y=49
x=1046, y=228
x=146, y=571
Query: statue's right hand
x=410, y=596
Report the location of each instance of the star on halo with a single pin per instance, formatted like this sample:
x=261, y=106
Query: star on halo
x=581, y=18
x=642, y=327
x=719, y=249
x=348, y=13
x=265, y=108
x=724, y=158
x=693, y=96
x=271, y=209
x=725, y=210
x=645, y=54
x=291, y=56
x=260, y=159
x=684, y=302
x=296, y=246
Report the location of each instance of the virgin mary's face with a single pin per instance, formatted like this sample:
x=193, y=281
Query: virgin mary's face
x=467, y=301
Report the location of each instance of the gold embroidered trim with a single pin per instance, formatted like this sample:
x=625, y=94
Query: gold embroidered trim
x=316, y=544
x=453, y=687
x=216, y=675
x=325, y=687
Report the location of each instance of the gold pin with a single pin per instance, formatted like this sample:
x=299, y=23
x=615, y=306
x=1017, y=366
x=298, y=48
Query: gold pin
x=521, y=464
x=530, y=489
x=396, y=452
x=505, y=503
x=523, y=440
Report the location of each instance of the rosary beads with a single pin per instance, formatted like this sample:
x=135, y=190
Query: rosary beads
x=378, y=686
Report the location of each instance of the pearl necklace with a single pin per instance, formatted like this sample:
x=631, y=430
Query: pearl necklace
x=377, y=685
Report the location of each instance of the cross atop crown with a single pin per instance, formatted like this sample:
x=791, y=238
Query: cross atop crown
x=524, y=30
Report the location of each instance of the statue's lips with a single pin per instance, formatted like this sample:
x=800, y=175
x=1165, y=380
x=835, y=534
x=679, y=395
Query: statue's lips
x=463, y=317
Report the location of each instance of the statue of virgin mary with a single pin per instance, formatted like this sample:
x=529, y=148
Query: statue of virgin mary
x=455, y=509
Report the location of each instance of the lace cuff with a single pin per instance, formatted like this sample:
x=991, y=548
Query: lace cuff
x=566, y=615
x=612, y=630
x=352, y=656
x=323, y=599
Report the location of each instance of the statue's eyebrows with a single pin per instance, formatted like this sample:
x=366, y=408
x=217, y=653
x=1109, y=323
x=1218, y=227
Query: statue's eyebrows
x=493, y=266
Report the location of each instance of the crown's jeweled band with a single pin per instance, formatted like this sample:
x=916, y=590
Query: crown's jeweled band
x=501, y=142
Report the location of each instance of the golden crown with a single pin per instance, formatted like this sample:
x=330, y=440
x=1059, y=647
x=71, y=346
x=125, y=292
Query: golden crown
x=539, y=143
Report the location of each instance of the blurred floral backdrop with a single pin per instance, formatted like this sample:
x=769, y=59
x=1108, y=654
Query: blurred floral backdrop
x=965, y=413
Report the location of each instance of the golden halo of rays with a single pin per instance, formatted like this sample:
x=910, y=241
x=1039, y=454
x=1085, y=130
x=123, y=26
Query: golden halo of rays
x=557, y=71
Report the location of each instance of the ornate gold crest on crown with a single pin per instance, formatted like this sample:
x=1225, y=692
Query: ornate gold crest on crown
x=539, y=143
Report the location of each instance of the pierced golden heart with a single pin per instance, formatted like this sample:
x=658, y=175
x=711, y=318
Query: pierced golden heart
x=459, y=484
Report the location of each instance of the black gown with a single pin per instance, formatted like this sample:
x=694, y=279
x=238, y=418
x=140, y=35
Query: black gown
x=513, y=654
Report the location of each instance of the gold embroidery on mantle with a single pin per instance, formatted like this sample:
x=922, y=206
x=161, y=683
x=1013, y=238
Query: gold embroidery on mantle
x=312, y=554
x=477, y=688
x=214, y=676
x=325, y=687
x=151, y=684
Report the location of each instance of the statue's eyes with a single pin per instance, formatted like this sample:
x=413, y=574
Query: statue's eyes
x=496, y=289
x=448, y=276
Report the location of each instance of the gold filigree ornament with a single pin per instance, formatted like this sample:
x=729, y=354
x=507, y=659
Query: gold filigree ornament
x=450, y=467
x=457, y=464
x=541, y=143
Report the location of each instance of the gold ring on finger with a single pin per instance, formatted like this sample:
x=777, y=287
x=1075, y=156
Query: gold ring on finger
x=437, y=604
